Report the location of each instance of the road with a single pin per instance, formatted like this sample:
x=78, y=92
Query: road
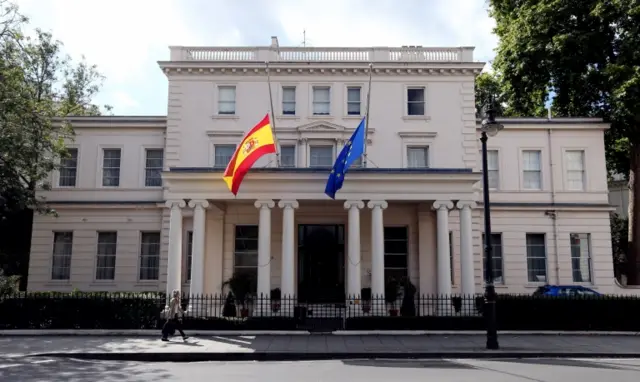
x=541, y=370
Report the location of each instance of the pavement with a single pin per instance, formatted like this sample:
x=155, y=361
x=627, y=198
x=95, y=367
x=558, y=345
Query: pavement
x=318, y=347
x=28, y=369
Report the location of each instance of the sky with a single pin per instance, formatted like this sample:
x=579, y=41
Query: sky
x=126, y=38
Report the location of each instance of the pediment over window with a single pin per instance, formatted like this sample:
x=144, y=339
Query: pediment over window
x=319, y=130
x=320, y=126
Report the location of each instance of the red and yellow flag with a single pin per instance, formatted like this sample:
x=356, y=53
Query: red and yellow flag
x=258, y=142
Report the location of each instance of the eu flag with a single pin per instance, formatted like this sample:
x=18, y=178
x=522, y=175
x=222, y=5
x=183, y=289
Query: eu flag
x=352, y=150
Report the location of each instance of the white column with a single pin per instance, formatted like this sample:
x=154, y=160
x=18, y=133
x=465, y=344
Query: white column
x=353, y=250
x=377, y=247
x=264, y=246
x=468, y=281
x=196, y=288
x=288, y=247
x=174, y=263
x=443, y=261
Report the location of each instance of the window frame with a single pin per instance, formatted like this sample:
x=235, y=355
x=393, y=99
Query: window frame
x=589, y=258
x=235, y=267
x=100, y=178
x=227, y=145
x=324, y=145
x=348, y=87
x=284, y=87
x=493, y=255
x=220, y=87
x=58, y=173
x=145, y=151
x=523, y=170
x=312, y=113
x=140, y=255
x=425, y=148
x=407, y=254
x=407, y=102
x=546, y=258
x=188, y=256
x=496, y=171
x=295, y=154
x=565, y=154
x=54, y=255
x=97, y=268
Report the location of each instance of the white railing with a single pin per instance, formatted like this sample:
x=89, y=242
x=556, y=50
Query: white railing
x=288, y=54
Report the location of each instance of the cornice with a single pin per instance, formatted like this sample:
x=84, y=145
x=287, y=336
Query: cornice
x=320, y=69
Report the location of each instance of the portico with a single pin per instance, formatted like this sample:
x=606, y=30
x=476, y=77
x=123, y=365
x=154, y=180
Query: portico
x=364, y=218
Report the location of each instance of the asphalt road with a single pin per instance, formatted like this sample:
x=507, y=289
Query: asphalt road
x=541, y=370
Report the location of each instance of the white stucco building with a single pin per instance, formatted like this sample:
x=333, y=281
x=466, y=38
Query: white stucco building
x=142, y=206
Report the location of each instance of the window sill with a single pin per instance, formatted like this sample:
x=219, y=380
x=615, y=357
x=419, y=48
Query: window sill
x=353, y=116
x=58, y=282
x=288, y=116
x=144, y=283
x=320, y=116
x=225, y=116
x=101, y=283
x=416, y=118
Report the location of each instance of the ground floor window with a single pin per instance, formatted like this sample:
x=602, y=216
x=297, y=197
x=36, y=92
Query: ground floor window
x=245, y=258
x=149, y=256
x=189, y=255
x=536, y=257
x=496, y=255
x=396, y=253
x=580, y=257
x=62, y=249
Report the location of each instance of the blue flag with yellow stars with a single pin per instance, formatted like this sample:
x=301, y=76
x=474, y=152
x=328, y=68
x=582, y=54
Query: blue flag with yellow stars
x=349, y=154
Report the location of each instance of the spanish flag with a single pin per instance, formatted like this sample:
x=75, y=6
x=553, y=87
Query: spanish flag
x=258, y=142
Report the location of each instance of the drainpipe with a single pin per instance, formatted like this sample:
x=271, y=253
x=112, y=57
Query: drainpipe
x=553, y=214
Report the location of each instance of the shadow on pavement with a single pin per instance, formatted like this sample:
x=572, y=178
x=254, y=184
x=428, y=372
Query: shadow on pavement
x=412, y=364
x=567, y=362
x=70, y=370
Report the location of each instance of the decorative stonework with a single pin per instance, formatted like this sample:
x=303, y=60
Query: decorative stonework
x=232, y=69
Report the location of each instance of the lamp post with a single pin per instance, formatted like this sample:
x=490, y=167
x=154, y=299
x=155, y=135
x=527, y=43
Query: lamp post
x=489, y=128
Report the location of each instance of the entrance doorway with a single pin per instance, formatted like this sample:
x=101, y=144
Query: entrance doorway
x=321, y=263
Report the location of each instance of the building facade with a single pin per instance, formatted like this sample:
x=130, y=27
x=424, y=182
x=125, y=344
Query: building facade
x=142, y=206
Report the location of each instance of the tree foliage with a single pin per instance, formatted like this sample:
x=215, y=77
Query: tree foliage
x=488, y=89
x=586, y=52
x=39, y=87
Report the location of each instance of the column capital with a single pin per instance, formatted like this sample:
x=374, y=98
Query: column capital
x=264, y=203
x=378, y=203
x=288, y=203
x=359, y=204
x=439, y=204
x=466, y=204
x=193, y=203
x=175, y=203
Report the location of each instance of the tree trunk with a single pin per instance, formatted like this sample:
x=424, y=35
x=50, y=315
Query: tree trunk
x=633, y=256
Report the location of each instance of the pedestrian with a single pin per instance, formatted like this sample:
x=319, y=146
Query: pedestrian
x=174, y=317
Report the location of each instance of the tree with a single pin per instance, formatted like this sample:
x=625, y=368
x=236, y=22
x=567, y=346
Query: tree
x=619, y=243
x=488, y=89
x=39, y=88
x=587, y=53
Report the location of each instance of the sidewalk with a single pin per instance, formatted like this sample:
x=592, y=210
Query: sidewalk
x=318, y=347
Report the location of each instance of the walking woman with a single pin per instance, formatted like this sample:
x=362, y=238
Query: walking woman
x=174, y=317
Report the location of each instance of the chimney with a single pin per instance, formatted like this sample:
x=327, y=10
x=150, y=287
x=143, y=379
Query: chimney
x=274, y=42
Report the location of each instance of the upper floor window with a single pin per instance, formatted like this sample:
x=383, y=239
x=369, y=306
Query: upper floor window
x=62, y=249
x=69, y=169
x=353, y=100
x=580, y=257
x=288, y=156
x=415, y=101
x=223, y=154
x=493, y=171
x=111, y=167
x=532, y=170
x=227, y=100
x=106, y=256
x=289, y=100
x=321, y=156
x=153, y=167
x=575, y=170
x=418, y=156
x=321, y=100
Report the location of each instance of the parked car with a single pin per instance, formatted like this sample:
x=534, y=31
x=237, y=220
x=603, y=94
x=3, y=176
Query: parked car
x=565, y=290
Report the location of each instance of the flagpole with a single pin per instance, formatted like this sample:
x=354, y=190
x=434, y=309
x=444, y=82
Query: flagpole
x=273, y=117
x=366, y=121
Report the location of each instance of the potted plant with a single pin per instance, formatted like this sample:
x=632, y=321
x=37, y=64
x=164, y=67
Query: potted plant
x=241, y=285
x=276, y=298
x=229, y=307
x=408, y=307
x=391, y=293
x=365, y=295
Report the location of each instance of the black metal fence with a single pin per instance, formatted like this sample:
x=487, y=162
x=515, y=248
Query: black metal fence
x=215, y=312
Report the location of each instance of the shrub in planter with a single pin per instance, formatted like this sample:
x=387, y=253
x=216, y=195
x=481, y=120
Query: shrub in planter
x=365, y=295
x=391, y=294
x=276, y=298
x=408, y=307
x=241, y=285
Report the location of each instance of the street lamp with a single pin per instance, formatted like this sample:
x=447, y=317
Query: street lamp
x=489, y=128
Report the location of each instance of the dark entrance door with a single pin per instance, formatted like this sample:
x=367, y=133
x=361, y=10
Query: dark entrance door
x=321, y=263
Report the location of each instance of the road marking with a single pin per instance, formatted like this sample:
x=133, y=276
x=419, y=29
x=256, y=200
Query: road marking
x=9, y=365
x=43, y=361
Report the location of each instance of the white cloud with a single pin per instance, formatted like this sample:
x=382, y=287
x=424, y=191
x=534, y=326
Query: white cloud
x=126, y=38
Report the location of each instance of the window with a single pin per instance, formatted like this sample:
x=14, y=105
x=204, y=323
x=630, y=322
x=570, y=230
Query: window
x=396, y=253
x=69, y=169
x=150, y=256
x=580, y=257
x=496, y=255
x=415, y=101
x=289, y=100
x=227, y=100
x=353, y=100
x=62, y=249
x=245, y=258
x=320, y=156
x=536, y=257
x=418, y=157
x=357, y=163
x=106, y=259
x=153, y=168
x=321, y=100
x=223, y=154
x=451, y=262
x=575, y=170
x=111, y=167
x=493, y=169
x=288, y=156
x=189, y=255
x=531, y=170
